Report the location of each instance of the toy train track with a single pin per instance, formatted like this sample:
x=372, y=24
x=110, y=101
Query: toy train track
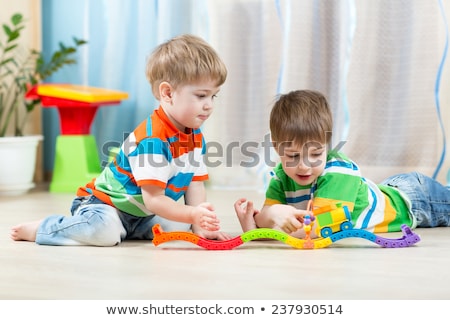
x=409, y=238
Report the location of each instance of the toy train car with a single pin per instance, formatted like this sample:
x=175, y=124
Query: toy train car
x=332, y=219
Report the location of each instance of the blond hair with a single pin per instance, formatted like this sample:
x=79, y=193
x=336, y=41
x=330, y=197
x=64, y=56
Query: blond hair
x=182, y=60
x=299, y=117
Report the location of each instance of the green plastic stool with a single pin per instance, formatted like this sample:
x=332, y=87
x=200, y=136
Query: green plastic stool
x=76, y=162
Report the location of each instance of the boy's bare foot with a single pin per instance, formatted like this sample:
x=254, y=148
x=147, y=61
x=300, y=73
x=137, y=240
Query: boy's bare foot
x=246, y=212
x=25, y=231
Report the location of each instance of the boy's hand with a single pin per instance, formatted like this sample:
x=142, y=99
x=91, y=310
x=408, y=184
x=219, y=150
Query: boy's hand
x=246, y=213
x=203, y=216
x=288, y=218
x=212, y=235
x=245, y=208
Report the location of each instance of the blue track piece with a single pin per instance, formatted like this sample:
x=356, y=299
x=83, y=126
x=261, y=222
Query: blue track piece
x=354, y=233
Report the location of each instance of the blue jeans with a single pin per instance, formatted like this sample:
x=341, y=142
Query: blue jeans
x=98, y=224
x=430, y=200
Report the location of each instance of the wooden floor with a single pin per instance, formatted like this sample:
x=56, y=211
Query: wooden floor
x=349, y=269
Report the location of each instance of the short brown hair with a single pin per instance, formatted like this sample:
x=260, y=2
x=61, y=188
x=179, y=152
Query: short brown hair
x=299, y=117
x=184, y=59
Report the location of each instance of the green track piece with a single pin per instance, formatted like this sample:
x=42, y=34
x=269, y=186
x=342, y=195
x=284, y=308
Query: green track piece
x=264, y=233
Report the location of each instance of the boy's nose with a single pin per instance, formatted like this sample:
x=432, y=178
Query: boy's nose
x=303, y=163
x=208, y=105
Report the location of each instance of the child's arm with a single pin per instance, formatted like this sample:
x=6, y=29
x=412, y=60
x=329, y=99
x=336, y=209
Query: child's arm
x=196, y=195
x=196, y=213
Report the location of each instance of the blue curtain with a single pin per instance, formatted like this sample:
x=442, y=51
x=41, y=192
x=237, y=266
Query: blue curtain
x=120, y=34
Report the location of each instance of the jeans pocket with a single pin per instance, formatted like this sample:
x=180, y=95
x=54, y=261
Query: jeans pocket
x=82, y=201
x=392, y=182
x=76, y=203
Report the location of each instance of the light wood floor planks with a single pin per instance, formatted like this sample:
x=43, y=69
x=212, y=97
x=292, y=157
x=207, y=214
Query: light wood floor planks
x=349, y=269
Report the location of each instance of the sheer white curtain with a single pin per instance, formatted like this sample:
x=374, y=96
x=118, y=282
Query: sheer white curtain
x=378, y=62
x=396, y=56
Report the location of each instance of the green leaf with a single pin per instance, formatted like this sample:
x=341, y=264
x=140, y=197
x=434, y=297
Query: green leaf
x=7, y=30
x=61, y=46
x=6, y=61
x=13, y=36
x=16, y=19
x=79, y=42
x=10, y=48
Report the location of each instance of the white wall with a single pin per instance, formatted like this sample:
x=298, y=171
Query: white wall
x=31, y=38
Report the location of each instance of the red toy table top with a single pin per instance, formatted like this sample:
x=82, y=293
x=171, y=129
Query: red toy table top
x=77, y=104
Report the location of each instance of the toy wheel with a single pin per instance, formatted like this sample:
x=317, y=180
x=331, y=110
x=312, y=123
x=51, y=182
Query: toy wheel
x=346, y=226
x=326, y=232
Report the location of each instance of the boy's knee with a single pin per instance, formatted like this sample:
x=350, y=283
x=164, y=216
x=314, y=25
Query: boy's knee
x=106, y=229
x=107, y=236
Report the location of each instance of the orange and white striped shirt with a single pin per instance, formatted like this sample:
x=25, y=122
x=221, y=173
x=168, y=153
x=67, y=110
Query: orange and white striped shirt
x=155, y=153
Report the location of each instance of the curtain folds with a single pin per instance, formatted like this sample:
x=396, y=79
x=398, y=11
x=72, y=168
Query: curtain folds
x=378, y=62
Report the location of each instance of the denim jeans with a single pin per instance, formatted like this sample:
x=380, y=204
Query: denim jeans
x=98, y=224
x=430, y=200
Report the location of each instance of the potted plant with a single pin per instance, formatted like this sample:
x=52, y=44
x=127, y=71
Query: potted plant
x=20, y=69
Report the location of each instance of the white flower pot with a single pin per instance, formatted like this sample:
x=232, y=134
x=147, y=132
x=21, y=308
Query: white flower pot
x=17, y=164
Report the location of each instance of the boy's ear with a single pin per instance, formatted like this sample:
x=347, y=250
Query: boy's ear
x=165, y=91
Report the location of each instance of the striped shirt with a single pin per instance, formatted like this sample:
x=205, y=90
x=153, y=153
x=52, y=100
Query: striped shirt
x=155, y=153
x=376, y=208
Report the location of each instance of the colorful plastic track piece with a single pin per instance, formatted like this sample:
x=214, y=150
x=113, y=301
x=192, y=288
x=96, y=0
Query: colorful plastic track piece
x=409, y=237
x=160, y=236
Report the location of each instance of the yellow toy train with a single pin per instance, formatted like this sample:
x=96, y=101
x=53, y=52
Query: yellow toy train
x=331, y=219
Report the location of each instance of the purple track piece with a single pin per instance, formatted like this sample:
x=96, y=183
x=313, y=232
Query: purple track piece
x=409, y=238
